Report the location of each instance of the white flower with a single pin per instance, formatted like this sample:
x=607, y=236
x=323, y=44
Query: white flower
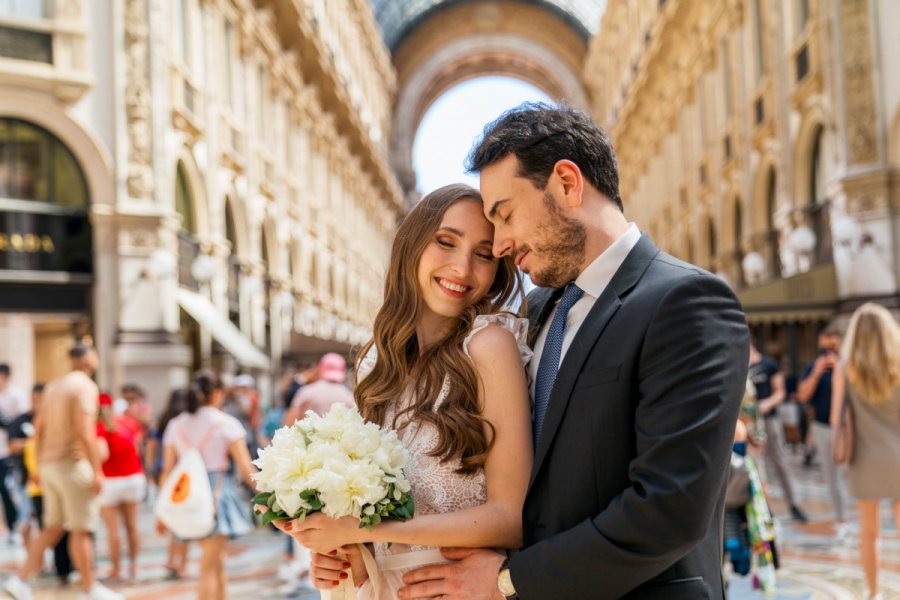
x=349, y=463
x=346, y=486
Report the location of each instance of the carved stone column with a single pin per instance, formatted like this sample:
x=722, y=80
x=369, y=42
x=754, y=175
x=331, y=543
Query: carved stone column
x=142, y=224
x=862, y=222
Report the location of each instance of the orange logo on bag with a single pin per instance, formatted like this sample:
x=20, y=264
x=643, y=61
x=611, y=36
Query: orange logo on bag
x=181, y=489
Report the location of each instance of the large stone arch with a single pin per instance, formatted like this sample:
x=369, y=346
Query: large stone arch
x=466, y=40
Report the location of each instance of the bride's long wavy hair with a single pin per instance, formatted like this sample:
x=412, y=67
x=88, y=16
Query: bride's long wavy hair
x=403, y=367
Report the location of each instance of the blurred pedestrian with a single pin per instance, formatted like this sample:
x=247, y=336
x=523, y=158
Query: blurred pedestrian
x=768, y=380
x=815, y=389
x=218, y=437
x=22, y=436
x=242, y=403
x=177, y=404
x=68, y=458
x=328, y=389
x=870, y=381
x=13, y=403
x=20, y=431
x=124, y=485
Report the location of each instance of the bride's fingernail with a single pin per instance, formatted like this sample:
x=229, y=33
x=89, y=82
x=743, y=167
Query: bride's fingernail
x=343, y=575
x=345, y=565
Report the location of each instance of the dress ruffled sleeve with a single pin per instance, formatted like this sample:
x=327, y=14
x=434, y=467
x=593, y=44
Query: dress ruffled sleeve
x=518, y=326
x=366, y=364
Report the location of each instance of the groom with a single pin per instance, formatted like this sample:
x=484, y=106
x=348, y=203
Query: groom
x=639, y=368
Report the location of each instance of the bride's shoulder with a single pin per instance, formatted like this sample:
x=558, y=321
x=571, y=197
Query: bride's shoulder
x=498, y=333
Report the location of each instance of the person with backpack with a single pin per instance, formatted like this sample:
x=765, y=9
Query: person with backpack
x=219, y=439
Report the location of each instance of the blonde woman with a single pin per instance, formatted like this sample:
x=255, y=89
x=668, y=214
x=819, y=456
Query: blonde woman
x=871, y=375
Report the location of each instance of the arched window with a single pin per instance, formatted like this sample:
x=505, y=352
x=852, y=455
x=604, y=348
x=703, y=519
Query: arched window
x=819, y=207
x=184, y=203
x=738, y=233
x=712, y=242
x=35, y=165
x=234, y=267
x=771, y=231
x=44, y=202
x=188, y=244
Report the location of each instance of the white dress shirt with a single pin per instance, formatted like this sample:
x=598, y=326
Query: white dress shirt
x=593, y=280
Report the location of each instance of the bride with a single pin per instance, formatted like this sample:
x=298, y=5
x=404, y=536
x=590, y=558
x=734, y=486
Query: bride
x=445, y=369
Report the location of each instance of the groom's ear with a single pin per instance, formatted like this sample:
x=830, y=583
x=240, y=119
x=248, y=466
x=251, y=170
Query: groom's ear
x=570, y=181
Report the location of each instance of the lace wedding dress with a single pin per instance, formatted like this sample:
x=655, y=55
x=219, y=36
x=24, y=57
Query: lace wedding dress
x=436, y=486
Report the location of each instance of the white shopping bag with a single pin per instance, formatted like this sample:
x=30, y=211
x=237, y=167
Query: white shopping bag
x=185, y=504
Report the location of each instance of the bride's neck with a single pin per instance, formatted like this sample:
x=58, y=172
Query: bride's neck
x=430, y=332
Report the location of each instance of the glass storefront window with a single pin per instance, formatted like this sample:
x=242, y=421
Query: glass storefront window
x=35, y=165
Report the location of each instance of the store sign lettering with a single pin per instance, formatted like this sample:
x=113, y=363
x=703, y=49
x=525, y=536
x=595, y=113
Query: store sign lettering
x=28, y=242
x=45, y=242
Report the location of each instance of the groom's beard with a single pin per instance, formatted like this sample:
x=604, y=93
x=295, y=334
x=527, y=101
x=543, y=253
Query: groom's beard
x=561, y=249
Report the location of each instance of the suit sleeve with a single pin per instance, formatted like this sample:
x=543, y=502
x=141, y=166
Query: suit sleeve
x=691, y=377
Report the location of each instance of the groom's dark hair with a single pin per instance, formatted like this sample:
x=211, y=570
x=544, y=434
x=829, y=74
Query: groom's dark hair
x=540, y=135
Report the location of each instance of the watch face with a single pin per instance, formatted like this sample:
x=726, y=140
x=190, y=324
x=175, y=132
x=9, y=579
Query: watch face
x=504, y=583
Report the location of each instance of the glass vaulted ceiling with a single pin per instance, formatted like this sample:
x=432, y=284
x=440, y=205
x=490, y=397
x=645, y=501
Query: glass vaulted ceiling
x=398, y=17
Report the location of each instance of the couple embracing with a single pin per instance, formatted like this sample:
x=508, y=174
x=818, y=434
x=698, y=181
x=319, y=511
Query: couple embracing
x=598, y=469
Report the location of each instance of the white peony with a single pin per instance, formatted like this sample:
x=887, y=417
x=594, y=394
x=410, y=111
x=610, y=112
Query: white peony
x=347, y=486
x=336, y=463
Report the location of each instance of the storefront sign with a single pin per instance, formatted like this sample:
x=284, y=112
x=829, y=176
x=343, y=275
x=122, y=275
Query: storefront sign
x=45, y=242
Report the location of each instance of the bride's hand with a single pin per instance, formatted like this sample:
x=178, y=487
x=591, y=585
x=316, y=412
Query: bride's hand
x=323, y=534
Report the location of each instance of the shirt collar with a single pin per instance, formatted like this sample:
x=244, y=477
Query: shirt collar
x=594, y=279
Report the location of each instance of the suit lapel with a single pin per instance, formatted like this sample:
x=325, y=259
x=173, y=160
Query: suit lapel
x=604, y=308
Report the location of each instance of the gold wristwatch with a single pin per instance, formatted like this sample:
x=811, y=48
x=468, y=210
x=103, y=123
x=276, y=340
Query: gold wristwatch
x=504, y=582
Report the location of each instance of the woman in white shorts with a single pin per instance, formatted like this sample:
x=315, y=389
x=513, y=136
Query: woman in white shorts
x=124, y=485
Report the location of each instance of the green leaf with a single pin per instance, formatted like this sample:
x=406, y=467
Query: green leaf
x=269, y=517
x=261, y=498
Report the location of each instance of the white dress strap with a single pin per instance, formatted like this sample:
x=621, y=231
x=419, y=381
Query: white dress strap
x=518, y=326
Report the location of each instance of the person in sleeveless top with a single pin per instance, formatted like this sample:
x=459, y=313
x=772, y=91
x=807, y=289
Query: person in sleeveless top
x=220, y=439
x=870, y=376
x=445, y=369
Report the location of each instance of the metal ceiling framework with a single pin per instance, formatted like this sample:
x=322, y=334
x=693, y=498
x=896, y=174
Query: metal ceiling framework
x=398, y=18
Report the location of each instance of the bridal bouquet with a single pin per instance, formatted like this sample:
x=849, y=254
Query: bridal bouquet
x=338, y=464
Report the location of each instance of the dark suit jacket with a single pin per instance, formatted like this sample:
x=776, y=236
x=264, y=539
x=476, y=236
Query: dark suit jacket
x=627, y=489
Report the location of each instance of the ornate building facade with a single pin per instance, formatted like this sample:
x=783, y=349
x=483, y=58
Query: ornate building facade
x=195, y=183
x=761, y=139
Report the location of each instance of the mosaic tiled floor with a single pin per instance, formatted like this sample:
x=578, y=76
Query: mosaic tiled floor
x=816, y=564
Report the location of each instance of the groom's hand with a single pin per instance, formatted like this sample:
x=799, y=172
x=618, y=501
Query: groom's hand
x=472, y=576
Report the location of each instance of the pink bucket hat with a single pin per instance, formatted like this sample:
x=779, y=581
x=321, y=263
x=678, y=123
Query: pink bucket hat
x=333, y=367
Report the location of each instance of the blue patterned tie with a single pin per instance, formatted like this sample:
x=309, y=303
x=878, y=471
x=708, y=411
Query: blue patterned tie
x=550, y=356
